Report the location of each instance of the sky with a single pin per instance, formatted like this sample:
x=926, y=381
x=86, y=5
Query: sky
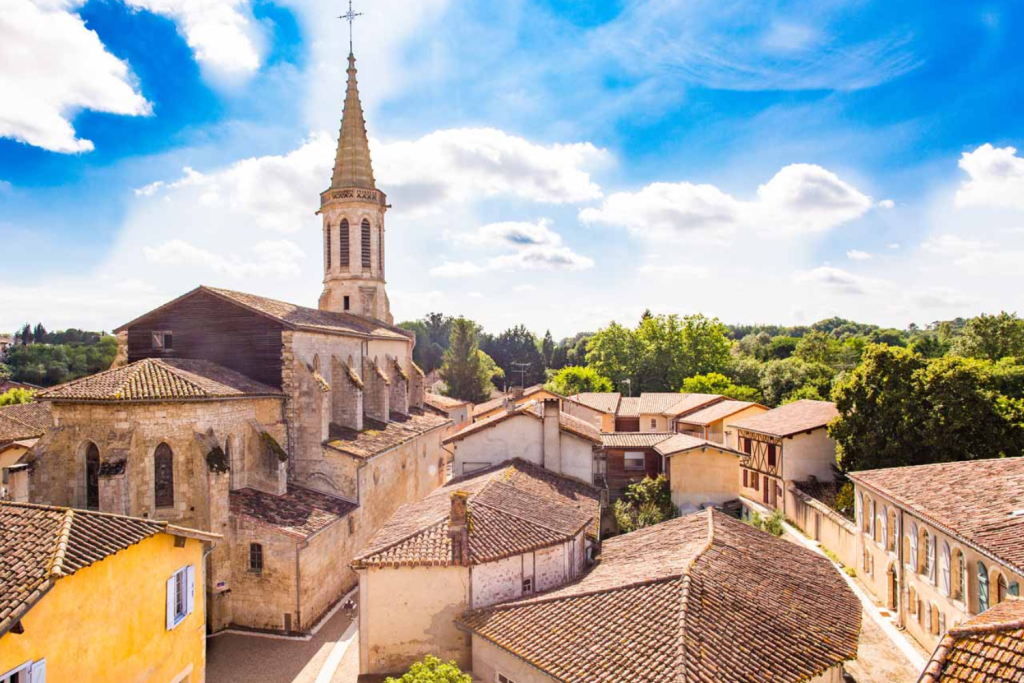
x=556, y=163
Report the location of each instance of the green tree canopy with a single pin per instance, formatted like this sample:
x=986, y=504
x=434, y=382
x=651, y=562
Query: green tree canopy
x=610, y=354
x=704, y=346
x=781, y=378
x=465, y=369
x=717, y=383
x=16, y=396
x=644, y=504
x=992, y=337
x=432, y=670
x=516, y=352
x=574, y=379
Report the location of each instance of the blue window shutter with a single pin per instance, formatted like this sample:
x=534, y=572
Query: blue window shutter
x=190, y=589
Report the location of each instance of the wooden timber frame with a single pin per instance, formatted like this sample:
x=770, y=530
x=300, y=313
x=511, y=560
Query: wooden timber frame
x=758, y=458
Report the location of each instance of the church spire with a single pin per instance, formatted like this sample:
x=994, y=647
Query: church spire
x=352, y=167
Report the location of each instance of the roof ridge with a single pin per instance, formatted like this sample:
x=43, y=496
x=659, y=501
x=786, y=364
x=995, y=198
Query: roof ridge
x=56, y=569
x=546, y=598
x=532, y=521
x=134, y=370
x=400, y=541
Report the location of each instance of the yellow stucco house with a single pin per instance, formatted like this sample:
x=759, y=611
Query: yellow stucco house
x=90, y=597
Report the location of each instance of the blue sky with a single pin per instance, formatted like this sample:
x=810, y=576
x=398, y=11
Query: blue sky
x=557, y=163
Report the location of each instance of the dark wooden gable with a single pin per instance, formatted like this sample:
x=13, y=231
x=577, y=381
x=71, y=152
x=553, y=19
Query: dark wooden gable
x=207, y=327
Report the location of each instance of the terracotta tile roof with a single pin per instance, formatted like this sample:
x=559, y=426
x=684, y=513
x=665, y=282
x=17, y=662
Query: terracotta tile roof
x=300, y=512
x=24, y=421
x=976, y=500
x=514, y=507
x=716, y=412
x=634, y=439
x=989, y=648
x=499, y=401
x=685, y=600
x=629, y=406
x=378, y=437
x=293, y=316
x=442, y=402
x=657, y=402
x=566, y=422
x=41, y=544
x=606, y=401
x=792, y=418
x=681, y=443
x=156, y=379
x=690, y=403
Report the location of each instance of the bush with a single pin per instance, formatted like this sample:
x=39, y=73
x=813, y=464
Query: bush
x=16, y=396
x=773, y=524
x=574, y=379
x=644, y=504
x=432, y=670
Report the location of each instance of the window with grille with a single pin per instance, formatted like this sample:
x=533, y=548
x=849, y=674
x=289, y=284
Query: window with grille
x=366, y=243
x=343, y=244
x=527, y=585
x=256, y=558
x=502, y=678
x=163, y=476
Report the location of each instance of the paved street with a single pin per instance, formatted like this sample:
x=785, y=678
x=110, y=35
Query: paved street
x=878, y=661
x=235, y=658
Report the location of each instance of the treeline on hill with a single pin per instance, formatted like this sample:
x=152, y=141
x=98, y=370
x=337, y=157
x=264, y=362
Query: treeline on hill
x=50, y=358
x=952, y=390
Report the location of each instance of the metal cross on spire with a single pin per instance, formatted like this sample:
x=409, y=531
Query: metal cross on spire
x=350, y=17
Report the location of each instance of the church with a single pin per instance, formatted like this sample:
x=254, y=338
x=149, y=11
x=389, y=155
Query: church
x=294, y=433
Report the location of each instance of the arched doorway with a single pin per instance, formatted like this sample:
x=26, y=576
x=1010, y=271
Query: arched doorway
x=892, y=588
x=92, y=477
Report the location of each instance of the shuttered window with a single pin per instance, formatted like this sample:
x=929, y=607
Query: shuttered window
x=366, y=243
x=163, y=476
x=380, y=253
x=181, y=595
x=327, y=246
x=343, y=243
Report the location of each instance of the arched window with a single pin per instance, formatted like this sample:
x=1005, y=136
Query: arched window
x=1002, y=589
x=256, y=558
x=929, y=562
x=92, y=477
x=913, y=546
x=982, y=587
x=885, y=527
x=945, y=567
x=163, y=476
x=343, y=244
x=327, y=246
x=366, y=248
x=316, y=362
x=960, y=585
x=913, y=600
x=894, y=530
x=872, y=525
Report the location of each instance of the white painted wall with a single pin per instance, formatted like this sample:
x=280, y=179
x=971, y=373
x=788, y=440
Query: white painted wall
x=807, y=455
x=501, y=580
x=489, y=660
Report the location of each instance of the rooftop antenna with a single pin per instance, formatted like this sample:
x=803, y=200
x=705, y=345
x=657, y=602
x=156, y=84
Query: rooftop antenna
x=350, y=17
x=521, y=369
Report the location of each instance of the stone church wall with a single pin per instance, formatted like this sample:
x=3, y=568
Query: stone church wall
x=265, y=600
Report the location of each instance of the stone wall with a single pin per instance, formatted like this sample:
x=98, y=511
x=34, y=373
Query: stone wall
x=266, y=600
x=324, y=576
x=346, y=394
x=398, y=390
x=376, y=392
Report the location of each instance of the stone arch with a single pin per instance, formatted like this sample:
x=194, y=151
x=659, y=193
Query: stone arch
x=87, y=476
x=892, y=589
x=163, y=476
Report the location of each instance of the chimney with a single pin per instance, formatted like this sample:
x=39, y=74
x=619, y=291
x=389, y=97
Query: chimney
x=458, y=528
x=552, y=438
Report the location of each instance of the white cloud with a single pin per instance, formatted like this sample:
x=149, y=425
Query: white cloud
x=858, y=255
x=799, y=199
x=996, y=179
x=542, y=257
x=893, y=245
x=222, y=33
x=838, y=280
x=456, y=269
x=514, y=234
x=887, y=204
x=475, y=295
x=535, y=246
x=276, y=259
x=941, y=297
x=52, y=66
x=524, y=288
x=462, y=165
x=673, y=271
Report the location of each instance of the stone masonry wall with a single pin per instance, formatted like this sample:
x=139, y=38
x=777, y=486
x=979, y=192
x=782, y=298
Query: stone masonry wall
x=375, y=391
x=266, y=600
x=346, y=394
x=398, y=394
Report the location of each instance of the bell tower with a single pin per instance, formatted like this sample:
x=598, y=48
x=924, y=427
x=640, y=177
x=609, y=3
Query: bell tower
x=353, y=221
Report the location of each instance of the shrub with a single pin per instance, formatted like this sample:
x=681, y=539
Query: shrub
x=644, y=504
x=432, y=670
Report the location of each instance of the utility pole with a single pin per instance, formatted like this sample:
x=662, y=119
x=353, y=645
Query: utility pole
x=521, y=369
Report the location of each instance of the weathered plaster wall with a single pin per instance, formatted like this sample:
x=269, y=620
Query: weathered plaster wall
x=517, y=437
x=702, y=476
x=809, y=455
x=489, y=660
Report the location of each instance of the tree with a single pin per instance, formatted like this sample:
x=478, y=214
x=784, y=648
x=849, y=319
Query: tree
x=783, y=377
x=818, y=347
x=704, y=346
x=782, y=347
x=432, y=670
x=644, y=504
x=573, y=379
x=992, y=337
x=930, y=346
x=16, y=396
x=26, y=335
x=547, y=348
x=610, y=354
x=716, y=383
x=516, y=353
x=39, y=334
x=464, y=369
x=656, y=356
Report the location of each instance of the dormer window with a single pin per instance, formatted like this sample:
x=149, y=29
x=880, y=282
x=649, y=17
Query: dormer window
x=163, y=341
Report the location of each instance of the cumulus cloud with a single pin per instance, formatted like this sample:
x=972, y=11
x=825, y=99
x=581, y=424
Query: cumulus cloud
x=887, y=204
x=275, y=259
x=460, y=165
x=858, y=255
x=514, y=234
x=800, y=199
x=535, y=246
x=979, y=256
x=838, y=280
x=52, y=66
x=996, y=179
x=941, y=297
x=541, y=258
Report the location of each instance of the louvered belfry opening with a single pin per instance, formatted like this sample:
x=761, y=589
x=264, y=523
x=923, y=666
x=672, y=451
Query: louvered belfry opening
x=344, y=242
x=366, y=243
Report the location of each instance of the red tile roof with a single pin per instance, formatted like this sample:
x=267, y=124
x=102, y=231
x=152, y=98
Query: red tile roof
x=301, y=512
x=155, y=379
x=604, y=401
x=690, y=403
x=657, y=402
x=41, y=544
x=378, y=437
x=295, y=317
x=681, y=443
x=566, y=423
x=716, y=412
x=514, y=507
x=790, y=419
x=699, y=598
x=989, y=648
x=499, y=401
x=981, y=501
x=24, y=421
x=634, y=439
x=442, y=402
x=629, y=406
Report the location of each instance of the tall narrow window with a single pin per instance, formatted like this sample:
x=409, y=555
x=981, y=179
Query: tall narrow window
x=256, y=558
x=343, y=243
x=913, y=546
x=92, y=477
x=327, y=247
x=982, y=587
x=960, y=590
x=1001, y=589
x=163, y=476
x=945, y=570
x=771, y=455
x=366, y=243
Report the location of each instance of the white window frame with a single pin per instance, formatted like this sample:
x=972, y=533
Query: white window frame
x=501, y=678
x=626, y=460
x=29, y=672
x=184, y=580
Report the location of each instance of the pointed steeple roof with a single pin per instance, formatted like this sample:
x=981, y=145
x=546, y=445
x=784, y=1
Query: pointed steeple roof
x=352, y=167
